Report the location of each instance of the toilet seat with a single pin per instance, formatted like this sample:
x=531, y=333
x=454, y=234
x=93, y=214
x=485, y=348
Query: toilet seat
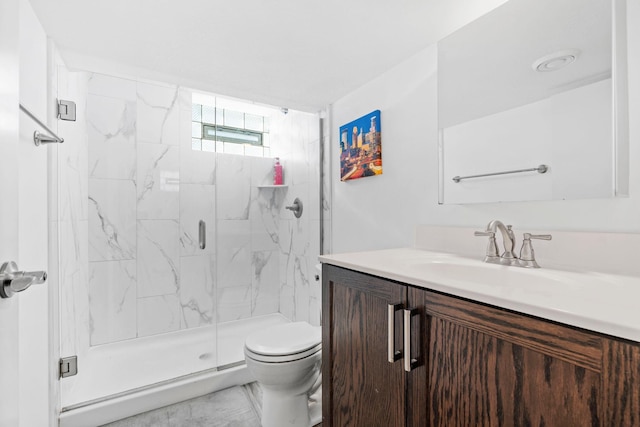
x=282, y=358
x=284, y=343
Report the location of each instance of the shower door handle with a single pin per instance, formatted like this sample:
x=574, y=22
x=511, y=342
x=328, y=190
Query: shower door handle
x=202, y=234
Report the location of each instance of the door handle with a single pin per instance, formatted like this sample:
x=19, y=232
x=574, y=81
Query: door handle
x=393, y=355
x=13, y=281
x=202, y=234
x=409, y=362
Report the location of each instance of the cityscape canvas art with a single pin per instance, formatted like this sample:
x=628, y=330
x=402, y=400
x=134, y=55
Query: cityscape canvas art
x=361, y=147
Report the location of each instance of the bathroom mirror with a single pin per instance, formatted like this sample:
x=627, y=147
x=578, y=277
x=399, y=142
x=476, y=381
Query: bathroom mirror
x=532, y=103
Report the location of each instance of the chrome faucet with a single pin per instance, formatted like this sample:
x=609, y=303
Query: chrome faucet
x=508, y=257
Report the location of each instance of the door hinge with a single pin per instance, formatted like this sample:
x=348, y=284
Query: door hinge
x=67, y=110
x=68, y=366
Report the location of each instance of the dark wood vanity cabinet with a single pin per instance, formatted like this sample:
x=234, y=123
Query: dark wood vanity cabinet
x=474, y=365
x=365, y=389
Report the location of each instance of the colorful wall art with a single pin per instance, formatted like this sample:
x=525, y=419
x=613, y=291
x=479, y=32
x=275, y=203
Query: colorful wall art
x=361, y=147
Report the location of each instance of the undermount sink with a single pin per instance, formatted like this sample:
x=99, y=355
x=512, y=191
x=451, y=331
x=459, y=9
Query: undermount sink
x=471, y=270
x=479, y=273
x=474, y=274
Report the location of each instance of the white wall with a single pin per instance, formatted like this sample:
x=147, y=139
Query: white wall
x=32, y=225
x=382, y=211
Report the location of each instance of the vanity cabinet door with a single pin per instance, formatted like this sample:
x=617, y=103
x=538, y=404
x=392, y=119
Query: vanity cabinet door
x=492, y=367
x=360, y=386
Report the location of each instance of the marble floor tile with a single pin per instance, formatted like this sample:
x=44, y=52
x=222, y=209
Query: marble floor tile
x=232, y=407
x=239, y=406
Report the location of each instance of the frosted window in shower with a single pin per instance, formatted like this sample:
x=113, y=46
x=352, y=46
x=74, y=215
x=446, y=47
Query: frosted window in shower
x=231, y=127
x=234, y=119
x=209, y=145
x=196, y=130
x=209, y=114
x=196, y=113
x=253, y=122
x=219, y=115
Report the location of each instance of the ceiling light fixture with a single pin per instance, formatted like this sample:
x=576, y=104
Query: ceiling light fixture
x=556, y=60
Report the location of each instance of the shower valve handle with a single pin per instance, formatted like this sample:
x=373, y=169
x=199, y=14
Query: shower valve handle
x=296, y=208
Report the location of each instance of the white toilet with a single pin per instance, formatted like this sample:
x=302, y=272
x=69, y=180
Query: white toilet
x=285, y=360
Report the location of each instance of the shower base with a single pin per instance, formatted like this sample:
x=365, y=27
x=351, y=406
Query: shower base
x=127, y=378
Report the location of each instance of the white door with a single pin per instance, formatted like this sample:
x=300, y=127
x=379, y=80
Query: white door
x=24, y=344
x=35, y=359
x=9, y=68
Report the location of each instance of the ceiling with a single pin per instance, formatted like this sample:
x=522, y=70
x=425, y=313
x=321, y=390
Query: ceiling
x=301, y=54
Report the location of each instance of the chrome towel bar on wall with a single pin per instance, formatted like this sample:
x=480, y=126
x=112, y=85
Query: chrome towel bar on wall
x=39, y=138
x=539, y=169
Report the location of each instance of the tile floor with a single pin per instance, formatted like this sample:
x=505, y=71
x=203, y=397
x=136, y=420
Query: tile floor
x=233, y=407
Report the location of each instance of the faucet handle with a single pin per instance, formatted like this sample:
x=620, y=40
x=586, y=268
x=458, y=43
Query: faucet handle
x=537, y=236
x=492, y=246
x=527, y=255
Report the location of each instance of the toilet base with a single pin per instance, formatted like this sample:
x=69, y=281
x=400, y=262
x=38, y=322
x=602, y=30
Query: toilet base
x=279, y=410
x=315, y=407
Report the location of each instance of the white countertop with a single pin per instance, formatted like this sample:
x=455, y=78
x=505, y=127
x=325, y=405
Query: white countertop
x=605, y=303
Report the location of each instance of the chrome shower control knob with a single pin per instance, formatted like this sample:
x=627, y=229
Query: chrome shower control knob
x=296, y=208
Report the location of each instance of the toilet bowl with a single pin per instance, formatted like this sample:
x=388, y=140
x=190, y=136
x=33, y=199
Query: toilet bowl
x=285, y=360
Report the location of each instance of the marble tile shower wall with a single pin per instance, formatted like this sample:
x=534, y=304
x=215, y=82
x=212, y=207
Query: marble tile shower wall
x=299, y=238
x=266, y=256
x=132, y=192
x=134, y=231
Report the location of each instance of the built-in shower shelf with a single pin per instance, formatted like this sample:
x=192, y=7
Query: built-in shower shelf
x=273, y=186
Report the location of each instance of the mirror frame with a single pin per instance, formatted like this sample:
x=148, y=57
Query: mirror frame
x=620, y=99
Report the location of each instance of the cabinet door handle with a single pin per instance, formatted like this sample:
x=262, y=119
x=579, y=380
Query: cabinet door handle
x=409, y=363
x=393, y=355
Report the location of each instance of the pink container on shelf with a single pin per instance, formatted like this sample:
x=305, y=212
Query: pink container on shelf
x=278, y=172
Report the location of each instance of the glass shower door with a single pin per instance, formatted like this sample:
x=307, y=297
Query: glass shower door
x=137, y=233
